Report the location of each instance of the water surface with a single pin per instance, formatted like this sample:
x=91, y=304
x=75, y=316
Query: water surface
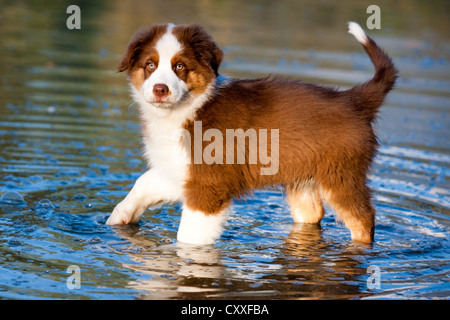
x=70, y=150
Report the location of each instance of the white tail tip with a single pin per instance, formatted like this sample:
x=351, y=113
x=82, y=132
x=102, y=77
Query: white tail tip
x=356, y=30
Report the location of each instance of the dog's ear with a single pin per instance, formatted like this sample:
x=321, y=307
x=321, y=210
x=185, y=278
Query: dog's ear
x=216, y=57
x=205, y=49
x=130, y=55
x=136, y=45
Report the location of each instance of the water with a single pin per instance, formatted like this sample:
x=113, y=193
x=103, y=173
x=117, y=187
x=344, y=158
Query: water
x=70, y=150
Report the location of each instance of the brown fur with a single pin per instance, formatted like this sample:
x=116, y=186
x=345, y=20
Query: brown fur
x=201, y=58
x=321, y=138
x=326, y=139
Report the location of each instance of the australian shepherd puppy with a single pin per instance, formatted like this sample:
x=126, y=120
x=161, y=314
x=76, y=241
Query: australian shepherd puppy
x=319, y=141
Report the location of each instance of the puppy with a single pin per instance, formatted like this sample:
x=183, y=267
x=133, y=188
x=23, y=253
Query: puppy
x=321, y=140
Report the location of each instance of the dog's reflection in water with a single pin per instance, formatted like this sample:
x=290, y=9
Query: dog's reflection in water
x=174, y=268
x=324, y=267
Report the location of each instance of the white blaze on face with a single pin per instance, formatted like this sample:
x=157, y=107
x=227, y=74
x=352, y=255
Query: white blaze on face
x=168, y=46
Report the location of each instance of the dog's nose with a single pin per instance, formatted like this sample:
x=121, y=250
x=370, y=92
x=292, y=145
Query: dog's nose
x=160, y=90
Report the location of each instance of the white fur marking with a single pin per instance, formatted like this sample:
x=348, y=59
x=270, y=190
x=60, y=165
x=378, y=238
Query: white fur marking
x=166, y=156
x=199, y=228
x=151, y=189
x=356, y=30
x=167, y=47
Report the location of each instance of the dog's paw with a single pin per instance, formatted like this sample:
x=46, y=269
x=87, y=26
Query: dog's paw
x=122, y=214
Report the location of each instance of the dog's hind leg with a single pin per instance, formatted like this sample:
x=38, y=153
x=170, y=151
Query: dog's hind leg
x=352, y=205
x=305, y=202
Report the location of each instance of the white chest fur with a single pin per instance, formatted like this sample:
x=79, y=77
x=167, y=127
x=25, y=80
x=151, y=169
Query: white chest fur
x=163, y=147
x=162, y=133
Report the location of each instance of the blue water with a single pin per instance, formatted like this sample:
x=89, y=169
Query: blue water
x=70, y=150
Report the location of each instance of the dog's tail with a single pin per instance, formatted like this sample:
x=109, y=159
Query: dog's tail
x=368, y=97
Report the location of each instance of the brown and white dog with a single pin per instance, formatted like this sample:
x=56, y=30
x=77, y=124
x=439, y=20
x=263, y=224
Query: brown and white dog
x=324, y=137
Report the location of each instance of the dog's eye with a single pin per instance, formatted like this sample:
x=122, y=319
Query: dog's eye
x=179, y=66
x=151, y=65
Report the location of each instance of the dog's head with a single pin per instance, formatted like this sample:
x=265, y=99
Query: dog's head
x=170, y=64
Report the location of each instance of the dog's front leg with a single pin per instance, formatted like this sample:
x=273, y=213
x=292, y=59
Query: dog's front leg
x=149, y=190
x=199, y=228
